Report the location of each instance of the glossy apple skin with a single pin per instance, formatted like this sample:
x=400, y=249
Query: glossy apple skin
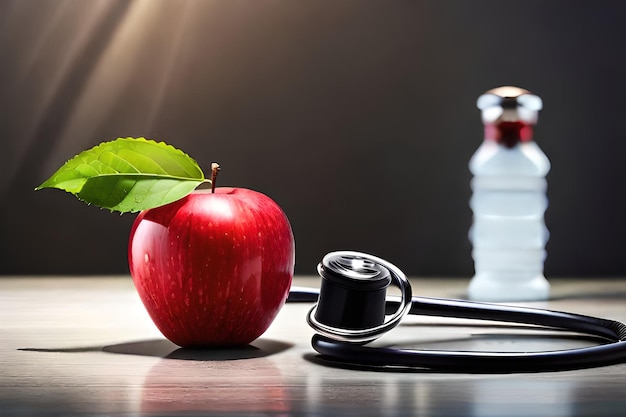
x=213, y=269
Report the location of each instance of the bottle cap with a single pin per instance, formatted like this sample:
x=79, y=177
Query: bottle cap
x=509, y=114
x=509, y=98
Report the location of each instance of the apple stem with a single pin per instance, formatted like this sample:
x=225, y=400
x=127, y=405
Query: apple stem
x=215, y=167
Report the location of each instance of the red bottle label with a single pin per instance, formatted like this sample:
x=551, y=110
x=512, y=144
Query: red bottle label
x=509, y=134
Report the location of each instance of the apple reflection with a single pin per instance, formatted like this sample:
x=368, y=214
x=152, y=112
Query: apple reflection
x=188, y=381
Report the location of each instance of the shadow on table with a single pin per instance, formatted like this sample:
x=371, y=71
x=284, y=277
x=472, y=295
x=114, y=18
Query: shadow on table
x=163, y=348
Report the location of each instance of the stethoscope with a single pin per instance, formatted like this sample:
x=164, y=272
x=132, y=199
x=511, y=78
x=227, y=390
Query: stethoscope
x=353, y=309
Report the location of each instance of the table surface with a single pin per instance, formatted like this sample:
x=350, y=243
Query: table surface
x=85, y=346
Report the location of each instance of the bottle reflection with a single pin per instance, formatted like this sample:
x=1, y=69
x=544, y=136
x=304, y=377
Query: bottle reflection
x=527, y=397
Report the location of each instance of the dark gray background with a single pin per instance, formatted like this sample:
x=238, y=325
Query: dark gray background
x=357, y=117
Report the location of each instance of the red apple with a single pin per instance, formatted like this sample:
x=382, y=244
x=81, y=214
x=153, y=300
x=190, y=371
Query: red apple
x=214, y=268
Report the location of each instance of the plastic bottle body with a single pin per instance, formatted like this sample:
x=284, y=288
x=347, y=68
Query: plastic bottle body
x=508, y=233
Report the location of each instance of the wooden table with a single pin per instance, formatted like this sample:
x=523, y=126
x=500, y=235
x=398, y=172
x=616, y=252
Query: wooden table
x=85, y=346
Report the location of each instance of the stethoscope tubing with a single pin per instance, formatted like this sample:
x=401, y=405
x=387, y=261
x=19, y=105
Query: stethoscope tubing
x=471, y=362
x=592, y=326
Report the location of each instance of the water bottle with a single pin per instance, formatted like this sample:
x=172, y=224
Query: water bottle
x=508, y=233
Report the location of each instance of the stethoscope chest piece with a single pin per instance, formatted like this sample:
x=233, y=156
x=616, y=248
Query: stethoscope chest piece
x=352, y=301
x=354, y=293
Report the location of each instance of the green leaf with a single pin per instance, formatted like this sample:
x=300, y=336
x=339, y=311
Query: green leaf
x=128, y=175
